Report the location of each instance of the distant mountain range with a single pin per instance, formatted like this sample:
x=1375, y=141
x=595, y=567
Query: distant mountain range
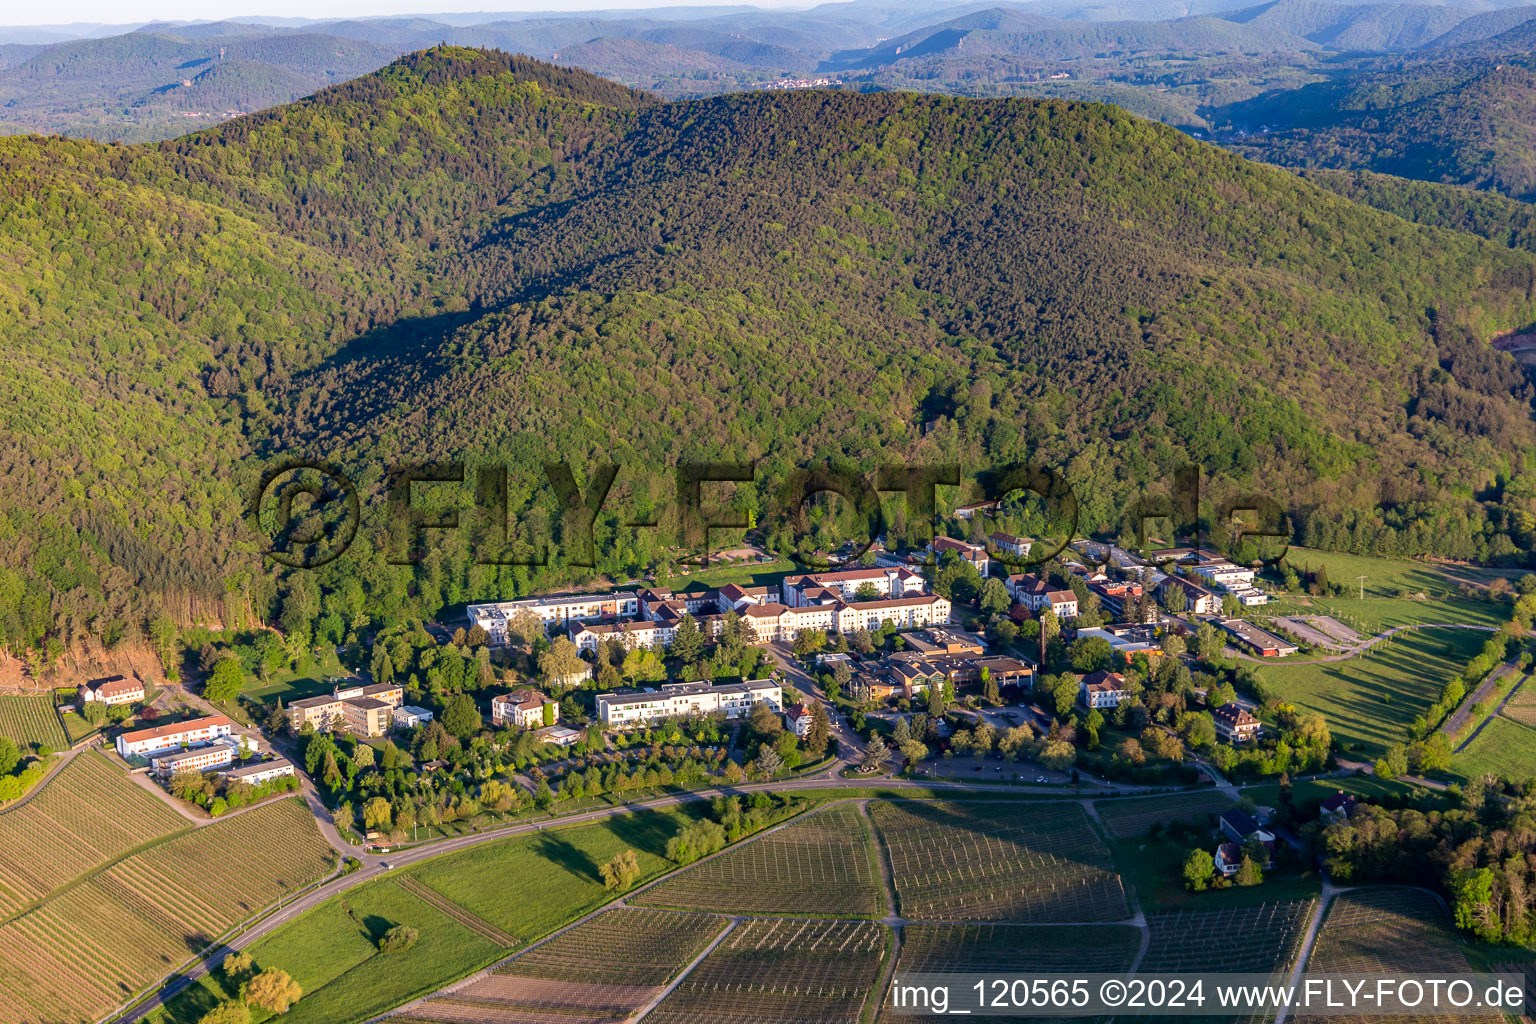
x=1437, y=91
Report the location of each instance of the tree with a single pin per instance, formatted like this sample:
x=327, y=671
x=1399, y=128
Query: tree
x=768, y=763
x=820, y=732
x=377, y=813
x=238, y=966
x=621, y=872
x=1058, y=755
x=398, y=939
x=93, y=711
x=1249, y=872
x=1199, y=869
x=10, y=755
x=1173, y=645
x=764, y=722
x=1130, y=749
x=561, y=663
x=231, y=1011
x=461, y=716
x=1092, y=654
x=272, y=990
x=1198, y=729
x=994, y=597
x=989, y=688
x=363, y=756
x=1393, y=763
x=226, y=679
x=687, y=640
x=875, y=754
x=936, y=698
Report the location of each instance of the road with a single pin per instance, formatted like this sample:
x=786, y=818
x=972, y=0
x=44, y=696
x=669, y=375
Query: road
x=1457, y=721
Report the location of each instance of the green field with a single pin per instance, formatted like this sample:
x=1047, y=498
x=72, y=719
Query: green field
x=526, y=886
x=1390, y=577
x=31, y=722
x=752, y=574
x=291, y=686
x=1369, y=700
x=1154, y=868
x=1505, y=748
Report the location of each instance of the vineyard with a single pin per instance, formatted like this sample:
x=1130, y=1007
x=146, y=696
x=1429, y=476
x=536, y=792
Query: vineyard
x=31, y=721
x=983, y=948
x=1522, y=704
x=1127, y=818
x=999, y=862
x=781, y=972
x=76, y=956
x=822, y=864
x=603, y=970
x=86, y=815
x=1243, y=940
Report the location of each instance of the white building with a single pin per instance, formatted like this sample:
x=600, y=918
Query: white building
x=524, y=709
x=410, y=716
x=1102, y=690
x=800, y=591
x=1037, y=594
x=972, y=553
x=799, y=718
x=493, y=618
x=1223, y=574
x=262, y=771
x=165, y=737
x=679, y=700
x=198, y=759
x=112, y=690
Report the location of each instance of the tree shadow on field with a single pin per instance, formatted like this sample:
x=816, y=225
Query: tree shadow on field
x=190, y=1005
x=568, y=855
x=646, y=831
x=375, y=927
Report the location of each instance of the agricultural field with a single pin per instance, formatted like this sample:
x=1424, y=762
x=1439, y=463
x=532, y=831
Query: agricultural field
x=31, y=722
x=1036, y=863
x=76, y=956
x=596, y=970
x=1241, y=940
x=1505, y=747
x=781, y=972
x=1135, y=817
x=821, y=864
x=1390, y=930
x=546, y=880
x=1007, y=948
x=1370, y=699
x=86, y=815
x=1522, y=704
x=541, y=883
x=1392, y=577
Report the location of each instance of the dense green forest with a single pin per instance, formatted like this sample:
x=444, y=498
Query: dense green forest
x=476, y=257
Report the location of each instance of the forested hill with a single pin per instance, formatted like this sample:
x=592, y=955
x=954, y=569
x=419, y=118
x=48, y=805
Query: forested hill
x=469, y=255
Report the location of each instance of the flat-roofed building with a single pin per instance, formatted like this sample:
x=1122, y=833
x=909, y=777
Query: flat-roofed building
x=553, y=609
x=392, y=694
x=261, y=771
x=196, y=759
x=409, y=716
x=1260, y=641
x=165, y=737
x=365, y=716
x=628, y=709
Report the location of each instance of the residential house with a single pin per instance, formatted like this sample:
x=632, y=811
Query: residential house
x=1235, y=724
x=1010, y=546
x=799, y=718
x=969, y=510
x=975, y=554
x=523, y=709
x=1336, y=808
x=1037, y=594
x=1241, y=828
x=1102, y=690
x=195, y=731
x=1229, y=857
x=111, y=690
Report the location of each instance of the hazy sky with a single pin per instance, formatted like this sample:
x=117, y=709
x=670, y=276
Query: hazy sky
x=60, y=12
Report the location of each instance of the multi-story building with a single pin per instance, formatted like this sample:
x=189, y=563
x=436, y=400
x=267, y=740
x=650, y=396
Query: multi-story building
x=351, y=708
x=365, y=716
x=1236, y=724
x=589, y=636
x=1102, y=690
x=972, y=553
x=1222, y=573
x=523, y=709
x=799, y=718
x=813, y=588
x=195, y=731
x=1037, y=594
x=1009, y=545
x=1198, y=598
x=261, y=771
x=196, y=759
x=112, y=690
x=553, y=610
x=628, y=709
